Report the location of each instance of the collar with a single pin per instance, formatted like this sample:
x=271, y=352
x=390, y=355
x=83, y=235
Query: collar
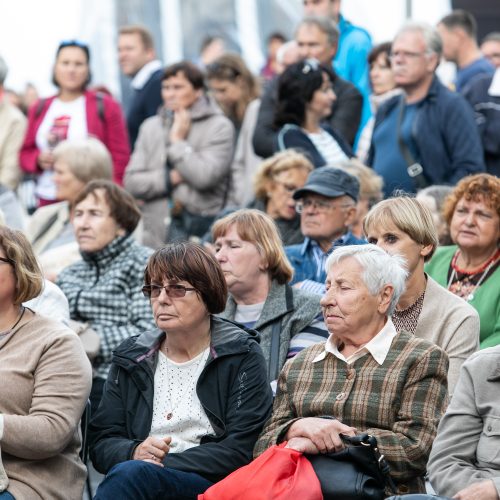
x=378, y=346
x=144, y=74
x=309, y=244
x=106, y=255
x=494, y=89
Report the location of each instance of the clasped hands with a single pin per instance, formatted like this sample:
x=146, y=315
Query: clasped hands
x=317, y=435
x=153, y=450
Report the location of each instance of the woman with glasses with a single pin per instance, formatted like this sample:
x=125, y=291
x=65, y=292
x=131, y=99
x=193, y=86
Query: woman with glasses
x=305, y=98
x=103, y=288
x=184, y=403
x=44, y=385
x=73, y=113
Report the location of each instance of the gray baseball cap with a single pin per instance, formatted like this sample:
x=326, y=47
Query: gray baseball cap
x=330, y=182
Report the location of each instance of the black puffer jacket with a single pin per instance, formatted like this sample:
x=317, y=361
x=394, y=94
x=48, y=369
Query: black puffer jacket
x=232, y=389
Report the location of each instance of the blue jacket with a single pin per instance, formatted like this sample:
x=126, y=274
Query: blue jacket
x=446, y=136
x=292, y=136
x=303, y=262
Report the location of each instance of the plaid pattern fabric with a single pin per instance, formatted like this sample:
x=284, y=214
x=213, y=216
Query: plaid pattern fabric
x=399, y=402
x=104, y=289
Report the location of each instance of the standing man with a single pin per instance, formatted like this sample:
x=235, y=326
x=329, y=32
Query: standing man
x=351, y=58
x=137, y=58
x=458, y=31
x=427, y=135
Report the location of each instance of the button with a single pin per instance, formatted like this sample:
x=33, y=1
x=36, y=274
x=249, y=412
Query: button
x=340, y=396
x=489, y=428
x=351, y=374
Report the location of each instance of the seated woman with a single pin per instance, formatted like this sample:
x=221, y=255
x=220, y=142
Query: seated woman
x=183, y=155
x=427, y=310
x=470, y=268
x=183, y=404
x=465, y=458
x=103, y=289
x=50, y=231
x=45, y=382
x=368, y=377
x=257, y=272
x=305, y=98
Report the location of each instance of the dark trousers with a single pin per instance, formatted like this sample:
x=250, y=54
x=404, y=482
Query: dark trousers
x=185, y=225
x=138, y=480
x=96, y=393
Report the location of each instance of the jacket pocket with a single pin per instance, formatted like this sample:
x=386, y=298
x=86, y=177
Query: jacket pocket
x=488, y=447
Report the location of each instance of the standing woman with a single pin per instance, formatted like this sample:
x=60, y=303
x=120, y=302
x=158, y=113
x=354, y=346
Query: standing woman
x=73, y=113
x=44, y=384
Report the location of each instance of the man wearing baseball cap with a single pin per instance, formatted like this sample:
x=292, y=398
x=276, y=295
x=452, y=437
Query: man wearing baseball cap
x=327, y=207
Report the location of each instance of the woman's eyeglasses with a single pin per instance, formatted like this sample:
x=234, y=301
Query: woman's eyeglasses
x=172, y=291
x=7, y=261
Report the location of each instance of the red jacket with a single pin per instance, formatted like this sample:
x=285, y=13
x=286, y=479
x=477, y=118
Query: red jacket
x=111, y=130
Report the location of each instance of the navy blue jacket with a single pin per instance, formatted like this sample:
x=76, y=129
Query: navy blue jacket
x=446, y=136
x=145, y=103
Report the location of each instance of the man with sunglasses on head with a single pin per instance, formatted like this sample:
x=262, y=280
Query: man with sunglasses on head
x=327, y=207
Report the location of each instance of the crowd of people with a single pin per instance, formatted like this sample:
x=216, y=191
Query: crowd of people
x=234, y=261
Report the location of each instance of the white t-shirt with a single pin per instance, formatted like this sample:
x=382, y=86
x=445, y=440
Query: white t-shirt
x=76, y=129
x=328, y=147
x=175, y=395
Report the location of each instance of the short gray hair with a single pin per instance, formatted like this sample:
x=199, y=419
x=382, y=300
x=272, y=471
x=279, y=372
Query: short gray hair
x=432, y=38
x=379, y=269
x=324, y=24
x=3, y=70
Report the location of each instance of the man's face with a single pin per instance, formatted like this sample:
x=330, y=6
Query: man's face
x=491, y=50
x=411, y=63
x=327, y=8
x=132, y=55
x=451, y=42
x=313, y=43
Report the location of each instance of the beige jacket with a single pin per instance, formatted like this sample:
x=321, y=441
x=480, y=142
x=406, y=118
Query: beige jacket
x=452, y=324
x=45, y=382
x=12, y=129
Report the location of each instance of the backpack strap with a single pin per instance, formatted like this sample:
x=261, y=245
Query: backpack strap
x=100, y=105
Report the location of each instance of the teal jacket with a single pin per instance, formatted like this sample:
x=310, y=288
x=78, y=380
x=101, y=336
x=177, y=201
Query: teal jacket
x=486, y=298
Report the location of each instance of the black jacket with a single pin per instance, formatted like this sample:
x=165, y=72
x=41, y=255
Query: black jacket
x=232, y=388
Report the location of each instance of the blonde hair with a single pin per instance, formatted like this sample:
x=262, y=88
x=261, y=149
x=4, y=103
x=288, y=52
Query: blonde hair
x=370, y=183
x=279, y=162
x=258, y=228
x=409, y=216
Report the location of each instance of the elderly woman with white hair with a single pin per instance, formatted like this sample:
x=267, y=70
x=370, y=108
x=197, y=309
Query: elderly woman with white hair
x=366, y=378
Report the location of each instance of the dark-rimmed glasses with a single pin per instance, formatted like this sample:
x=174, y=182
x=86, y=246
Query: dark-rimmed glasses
x=318, y=205
x=8, y=261
x=172, y=291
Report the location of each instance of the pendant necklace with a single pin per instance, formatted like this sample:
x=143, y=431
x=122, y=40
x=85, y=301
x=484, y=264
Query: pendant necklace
x=11, y=329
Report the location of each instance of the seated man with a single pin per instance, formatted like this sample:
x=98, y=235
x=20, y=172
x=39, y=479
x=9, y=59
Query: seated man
x=327, y=207
x=366, y=377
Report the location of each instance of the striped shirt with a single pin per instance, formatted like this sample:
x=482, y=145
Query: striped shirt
x=327, y=147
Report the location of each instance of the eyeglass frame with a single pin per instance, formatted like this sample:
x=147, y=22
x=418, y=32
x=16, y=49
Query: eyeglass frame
x=319, y=205
x=147, y=290
x=405, y=54
x=8, y=261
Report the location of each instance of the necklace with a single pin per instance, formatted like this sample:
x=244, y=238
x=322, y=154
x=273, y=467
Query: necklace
x=193, y=377
x=21, y=314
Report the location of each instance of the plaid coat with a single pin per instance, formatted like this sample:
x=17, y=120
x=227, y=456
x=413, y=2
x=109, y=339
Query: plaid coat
x=104, y=289
x=399, y=402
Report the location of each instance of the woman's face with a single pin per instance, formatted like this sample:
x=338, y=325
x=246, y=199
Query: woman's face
x=71, y=69
x=475, y=226
x=177, y=315
x=320, y=105
x=67, y=185
x=94, y=226
x=7, y=280
x=227, y=93
x=241, y=262
x=394, y=241
x=381, y=76
x=178, y=92
x=280, y=204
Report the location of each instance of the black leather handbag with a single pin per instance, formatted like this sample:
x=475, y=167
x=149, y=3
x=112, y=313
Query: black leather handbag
x=418, y=496
x=358, y=472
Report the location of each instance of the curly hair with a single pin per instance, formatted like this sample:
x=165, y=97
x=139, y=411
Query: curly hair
x=479, y=187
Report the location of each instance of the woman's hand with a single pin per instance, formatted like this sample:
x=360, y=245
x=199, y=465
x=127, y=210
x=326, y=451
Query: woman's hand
x=175, y=177
x=304, y=445
x=484, y=490
x=45, y=160
x=153, y=450
x=180, y=126
x=323, y=432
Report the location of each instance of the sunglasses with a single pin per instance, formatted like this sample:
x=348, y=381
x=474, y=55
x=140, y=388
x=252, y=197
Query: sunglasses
x=172, y=291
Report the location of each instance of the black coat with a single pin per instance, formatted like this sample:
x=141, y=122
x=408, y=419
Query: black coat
x=232, y=388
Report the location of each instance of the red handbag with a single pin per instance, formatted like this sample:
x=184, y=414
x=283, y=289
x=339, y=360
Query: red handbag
x=278, y=474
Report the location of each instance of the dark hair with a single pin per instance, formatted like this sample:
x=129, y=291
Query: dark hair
x=142, y=31
x=381, y=48
x=122, y=205
x=191, y=72
x=460, y=18
x=188, y=261
x=276, y=35
x=296, y=87
x=79, y=45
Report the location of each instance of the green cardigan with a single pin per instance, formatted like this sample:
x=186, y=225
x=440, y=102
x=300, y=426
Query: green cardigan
x=486, y=298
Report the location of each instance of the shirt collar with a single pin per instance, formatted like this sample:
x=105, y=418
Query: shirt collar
x=144, y=74
x=309, y=243
x=378, y=346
